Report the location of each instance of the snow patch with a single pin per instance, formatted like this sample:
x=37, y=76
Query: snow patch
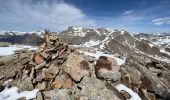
x=12, y=94
x=134, y=95
x=151, y=45
x=91, y=43
x=163, y=51
x=7, y=82
x=78, y=31
x=122, y=32
x=98, y=54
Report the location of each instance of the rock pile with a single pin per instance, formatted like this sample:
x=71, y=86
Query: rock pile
x=60, y=72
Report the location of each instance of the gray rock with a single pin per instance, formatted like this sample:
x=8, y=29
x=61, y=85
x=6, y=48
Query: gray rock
x=25, y=84
x=61, y=95
x=41, y=86
x=39, y=96
x=95, y=89
x=1, y=86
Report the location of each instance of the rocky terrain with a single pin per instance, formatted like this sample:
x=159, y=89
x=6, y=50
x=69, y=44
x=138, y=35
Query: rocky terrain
x=91, y=64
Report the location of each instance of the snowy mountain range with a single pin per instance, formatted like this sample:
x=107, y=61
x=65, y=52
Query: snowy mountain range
x=119, y=42
x=115, y=41
x=25, y=38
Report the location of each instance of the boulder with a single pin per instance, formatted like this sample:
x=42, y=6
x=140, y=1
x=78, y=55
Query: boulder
x=95, y=89
x=76, y=66
x=107, y=68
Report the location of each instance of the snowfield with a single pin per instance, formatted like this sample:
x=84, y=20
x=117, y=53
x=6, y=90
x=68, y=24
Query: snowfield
x=13, y=94
x=4, y=51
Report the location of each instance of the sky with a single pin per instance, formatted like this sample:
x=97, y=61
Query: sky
x=57, y=15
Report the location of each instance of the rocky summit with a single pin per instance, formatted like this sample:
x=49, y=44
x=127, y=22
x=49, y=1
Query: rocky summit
x=120, y=67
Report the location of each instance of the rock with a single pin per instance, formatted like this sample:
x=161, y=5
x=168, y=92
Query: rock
x=41, y=86
x=159, y=66
x=106, y=68
x=125, y=94
x=90, y=59
x=147, y=96
x=40, y=65
x=126, y=80
x=26, y=84
x=152, y=82
x=62, y=95
x=38, y=59
x=39, y=78
x=56, y=84
x=39, y=96
x=53, y=68
x=47, y=76
x=29, y=67
x=22, y=98
x=44, y=55
x=1, y=86
x=132, y=75
x=67, y=83
x=76, y=66
x=146, y=83
x=55, y=55
x=1, y=77
x=95, y=89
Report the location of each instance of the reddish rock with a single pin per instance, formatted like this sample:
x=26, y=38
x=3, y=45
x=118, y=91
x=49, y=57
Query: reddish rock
x=38, y=59
x=47, y=76
x=68, y=83
x=56, y=84
x=76, y=66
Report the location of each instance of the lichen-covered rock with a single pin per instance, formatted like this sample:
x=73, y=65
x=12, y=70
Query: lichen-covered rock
x=95, y=89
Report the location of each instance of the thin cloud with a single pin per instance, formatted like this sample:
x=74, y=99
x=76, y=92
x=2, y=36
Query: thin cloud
x=40, y=15
x=128, y=12
x=161, y=21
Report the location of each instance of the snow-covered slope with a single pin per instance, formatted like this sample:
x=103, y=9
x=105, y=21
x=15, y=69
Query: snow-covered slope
x=160, y=39
x=116, y=41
